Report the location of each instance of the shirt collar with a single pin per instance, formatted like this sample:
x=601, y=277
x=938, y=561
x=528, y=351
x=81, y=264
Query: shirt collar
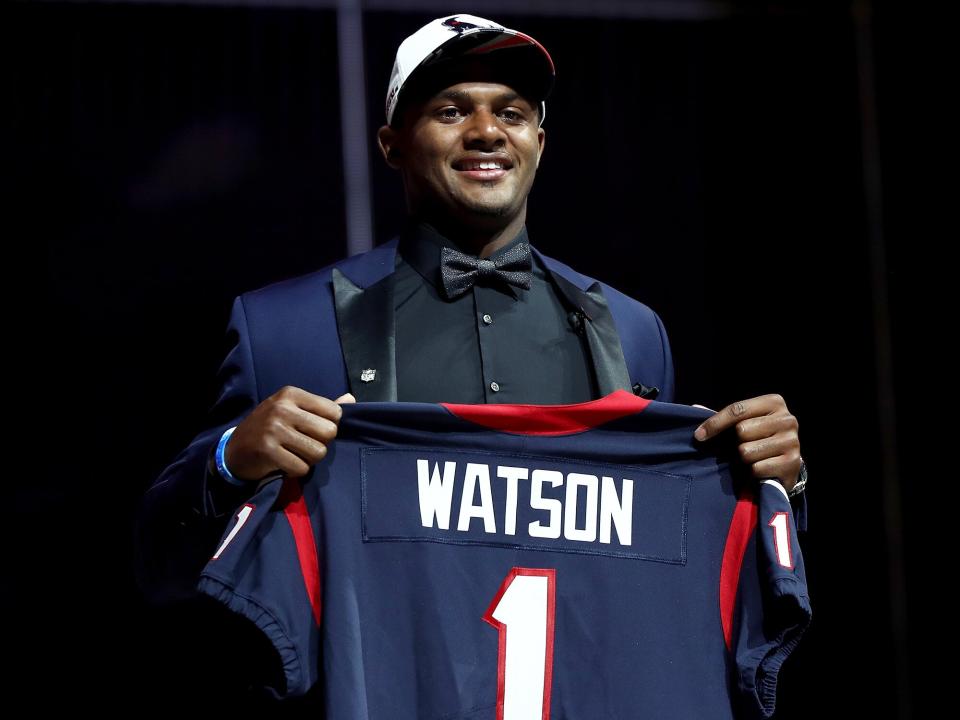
x=421, y=244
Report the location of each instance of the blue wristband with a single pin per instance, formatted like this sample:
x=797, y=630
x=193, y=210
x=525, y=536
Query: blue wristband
x=222, y=463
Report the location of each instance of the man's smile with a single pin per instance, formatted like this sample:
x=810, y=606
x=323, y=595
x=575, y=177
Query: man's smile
x=484, y=167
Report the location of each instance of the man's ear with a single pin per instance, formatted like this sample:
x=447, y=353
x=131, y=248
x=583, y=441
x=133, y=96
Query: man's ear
x=387, y=140
x=541, y=138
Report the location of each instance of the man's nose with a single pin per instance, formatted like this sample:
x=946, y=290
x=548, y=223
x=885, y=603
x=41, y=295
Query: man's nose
x=483, y=128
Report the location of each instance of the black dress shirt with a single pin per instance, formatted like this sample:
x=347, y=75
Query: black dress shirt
x=496, y=343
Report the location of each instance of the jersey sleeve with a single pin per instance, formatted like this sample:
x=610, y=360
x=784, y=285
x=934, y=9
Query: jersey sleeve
x=266, y=568
x=773, y=605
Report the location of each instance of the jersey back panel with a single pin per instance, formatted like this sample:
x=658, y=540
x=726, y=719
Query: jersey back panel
x=521, y=562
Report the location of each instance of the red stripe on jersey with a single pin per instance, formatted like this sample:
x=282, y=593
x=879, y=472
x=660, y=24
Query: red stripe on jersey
x=551, y=419
x=295, y=509
x=738, y=537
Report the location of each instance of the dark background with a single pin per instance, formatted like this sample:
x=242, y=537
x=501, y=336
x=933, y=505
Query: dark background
x=716, y=167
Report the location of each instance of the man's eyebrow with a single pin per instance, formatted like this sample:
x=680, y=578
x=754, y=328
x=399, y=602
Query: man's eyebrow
x=505, y=97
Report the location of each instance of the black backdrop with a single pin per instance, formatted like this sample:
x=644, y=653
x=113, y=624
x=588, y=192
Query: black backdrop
x=711, y=168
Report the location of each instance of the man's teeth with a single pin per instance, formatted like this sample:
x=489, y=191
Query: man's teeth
x=476, y=165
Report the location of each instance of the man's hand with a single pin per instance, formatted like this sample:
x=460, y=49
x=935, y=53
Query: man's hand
x=768, y=436
x=289, y=431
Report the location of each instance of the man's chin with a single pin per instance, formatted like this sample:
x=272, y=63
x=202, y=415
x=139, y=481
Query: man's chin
x=473, y=210
x=488, y=207
x=491, y=211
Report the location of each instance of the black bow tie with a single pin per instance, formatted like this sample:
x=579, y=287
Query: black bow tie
x=461, y=271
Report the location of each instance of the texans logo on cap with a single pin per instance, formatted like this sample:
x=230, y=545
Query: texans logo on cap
x=458, y=25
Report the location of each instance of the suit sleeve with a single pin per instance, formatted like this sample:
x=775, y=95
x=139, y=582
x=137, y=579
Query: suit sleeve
x=773, y=606
x=667, y=390
x=184, y=513
x=799, y=504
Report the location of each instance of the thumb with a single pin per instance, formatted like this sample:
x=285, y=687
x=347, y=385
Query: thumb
x=701, y=432
x=346, y=398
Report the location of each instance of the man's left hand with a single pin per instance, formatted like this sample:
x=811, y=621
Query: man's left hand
x=769, y=442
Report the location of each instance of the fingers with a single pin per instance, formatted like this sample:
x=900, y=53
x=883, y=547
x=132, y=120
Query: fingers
x=307, y=449
x=310, y=428
x=766, y=426
x=776, y=455
x=310, y=433
x=291, y=464
x=785, y=445
x=785, y=468
x=767, y=432
x=314, y=427
x=738, y=411
x=307, y=401
x=289, y=431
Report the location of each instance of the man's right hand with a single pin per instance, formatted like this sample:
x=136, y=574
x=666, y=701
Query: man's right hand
x=289, y=432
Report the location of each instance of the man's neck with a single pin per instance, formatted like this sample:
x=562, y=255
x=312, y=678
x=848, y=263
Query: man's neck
x=475, y=240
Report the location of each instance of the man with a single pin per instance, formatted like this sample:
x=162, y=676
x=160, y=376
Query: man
x=460, y=308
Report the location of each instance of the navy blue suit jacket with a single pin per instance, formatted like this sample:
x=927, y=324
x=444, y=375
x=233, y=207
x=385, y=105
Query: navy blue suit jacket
x=318, y=332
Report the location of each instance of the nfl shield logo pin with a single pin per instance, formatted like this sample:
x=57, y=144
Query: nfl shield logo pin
x=368, y=375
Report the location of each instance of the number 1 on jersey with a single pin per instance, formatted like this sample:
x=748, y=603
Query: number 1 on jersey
x=523, y=612
x=781, y=539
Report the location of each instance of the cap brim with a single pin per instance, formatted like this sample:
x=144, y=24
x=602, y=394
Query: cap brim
x=503, y=48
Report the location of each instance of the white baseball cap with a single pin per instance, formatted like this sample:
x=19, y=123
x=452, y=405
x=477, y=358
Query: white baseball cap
x=463, y=35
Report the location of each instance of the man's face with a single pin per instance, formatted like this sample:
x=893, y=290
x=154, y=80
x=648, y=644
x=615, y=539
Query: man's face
x=470, y=151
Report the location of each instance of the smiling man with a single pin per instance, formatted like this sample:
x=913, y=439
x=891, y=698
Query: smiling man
x=468, y=154
x=460, y=308
x=477, y=145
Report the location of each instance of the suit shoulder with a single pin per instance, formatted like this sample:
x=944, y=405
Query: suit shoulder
x=560, y=268
x=627, y=304
x=363, y=269
x=623, y=302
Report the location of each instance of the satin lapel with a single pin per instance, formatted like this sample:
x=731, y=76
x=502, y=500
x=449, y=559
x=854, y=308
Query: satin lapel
x=601, y=333
x=367, y=337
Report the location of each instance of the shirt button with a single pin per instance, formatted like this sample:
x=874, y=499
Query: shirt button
x=487, y=319
x=495, y=386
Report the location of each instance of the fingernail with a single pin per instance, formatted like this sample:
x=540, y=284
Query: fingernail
x=700, y=433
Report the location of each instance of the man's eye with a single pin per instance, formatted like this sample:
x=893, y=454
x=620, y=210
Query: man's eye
x=512, y=115
x=449, y=112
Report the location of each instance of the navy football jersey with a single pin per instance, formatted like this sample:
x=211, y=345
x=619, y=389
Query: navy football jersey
x=522, y=562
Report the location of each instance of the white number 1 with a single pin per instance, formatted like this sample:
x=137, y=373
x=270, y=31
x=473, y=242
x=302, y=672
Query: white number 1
x=523, y=612
x=781, y=539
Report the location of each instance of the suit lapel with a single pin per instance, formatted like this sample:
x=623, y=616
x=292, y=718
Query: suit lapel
x=367, y=336
x=365, y=320
x=601, y=332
